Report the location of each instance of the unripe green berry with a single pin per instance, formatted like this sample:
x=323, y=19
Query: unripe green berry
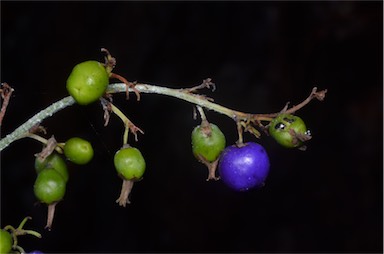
x=207, y=141
x=49, y=186
x=6, y=241
x=78, y=150
x=129, y=163
x=286, y=130
x=87, y=82
x=54, y=161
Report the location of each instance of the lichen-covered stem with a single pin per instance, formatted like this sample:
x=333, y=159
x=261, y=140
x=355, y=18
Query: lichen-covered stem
x=180, y=94
x=183, y=94
x=36, y=119
x=117, y=88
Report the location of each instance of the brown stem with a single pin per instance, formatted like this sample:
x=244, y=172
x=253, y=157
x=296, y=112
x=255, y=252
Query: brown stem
x=48, y=149
x=108, y=106
x=128, y=84
x=211, y=166
x=314, y=94
x=51, y=214
x=110, y=61
x=6, y=93
x=125, y=191
x=207, y=83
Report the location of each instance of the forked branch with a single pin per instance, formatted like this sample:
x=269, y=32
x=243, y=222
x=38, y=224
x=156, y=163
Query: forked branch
x=246, y=120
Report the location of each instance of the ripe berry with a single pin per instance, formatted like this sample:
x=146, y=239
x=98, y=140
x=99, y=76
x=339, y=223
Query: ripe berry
x=54, y=161
x=6, y=241
x=87, y=82
x=289, y=130
x=49, y=186
x=244, y=167
x=129, y=163
x=78, y=150
x=207, y=141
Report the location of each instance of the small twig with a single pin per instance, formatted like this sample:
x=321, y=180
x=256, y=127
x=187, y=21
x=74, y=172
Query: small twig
x=284, y=110
x=48, y=149
x=106, y=108
x=6, y=92
x=38, y=128
x=128, y=84
x=314, y=94
x=110, y=62
x=249, y=126
x=201, y=112
x=128, y=124
x=58, y=147
x=240, y=133
x=207, y=83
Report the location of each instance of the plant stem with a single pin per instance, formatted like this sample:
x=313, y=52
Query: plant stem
x=183, y=94
x=58, y=147
x=125, y=120
x=36, y=119
x=202, y=114
x=180, y=94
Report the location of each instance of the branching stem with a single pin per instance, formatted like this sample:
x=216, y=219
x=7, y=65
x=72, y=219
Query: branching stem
x=128, y=124
x=183, y=94
x=5, y=94
x=23, y=129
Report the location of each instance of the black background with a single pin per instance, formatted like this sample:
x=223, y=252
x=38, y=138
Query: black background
x=260, y=55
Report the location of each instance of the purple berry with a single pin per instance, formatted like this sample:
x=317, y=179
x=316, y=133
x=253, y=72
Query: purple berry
x=36, y=252
x=244, y=167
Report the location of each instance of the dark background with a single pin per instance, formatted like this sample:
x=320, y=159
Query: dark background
x=260, y=55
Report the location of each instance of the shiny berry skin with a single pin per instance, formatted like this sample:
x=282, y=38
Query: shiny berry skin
x=54, y=161
x=36, y=252
x=129, y=163
x=207, y=141
x=285, y=129
x=245, y=167
x=78, y=150
x=87, y=82
x=49, y=186
x=6, y=241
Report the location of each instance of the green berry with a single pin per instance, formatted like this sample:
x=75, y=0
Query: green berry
x=87, y=82
x=78, y=150
x=54, y=161
x=129, y=163
x=207, y=141
x=6, y=241
x=49, y=186
x=288, y=130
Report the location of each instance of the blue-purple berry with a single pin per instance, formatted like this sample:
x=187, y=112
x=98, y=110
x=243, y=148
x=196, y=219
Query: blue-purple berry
x=244, y=167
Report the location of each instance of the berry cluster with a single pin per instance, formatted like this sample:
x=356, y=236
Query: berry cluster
x=241, y=166
x=52, y=172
